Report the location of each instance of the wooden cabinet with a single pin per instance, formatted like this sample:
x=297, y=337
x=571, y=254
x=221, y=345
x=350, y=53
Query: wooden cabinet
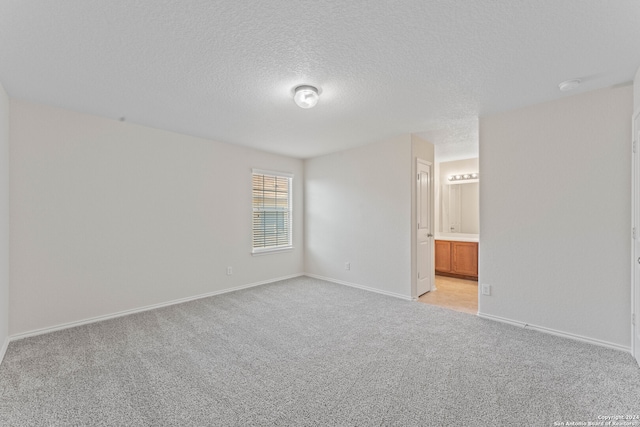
x=465, y=258
x=443, y=256
x=457, y=259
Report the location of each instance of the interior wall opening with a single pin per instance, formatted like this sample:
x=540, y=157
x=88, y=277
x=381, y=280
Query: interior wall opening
x=457, y=236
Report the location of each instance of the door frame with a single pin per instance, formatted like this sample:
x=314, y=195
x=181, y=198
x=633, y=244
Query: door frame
x=635, y=224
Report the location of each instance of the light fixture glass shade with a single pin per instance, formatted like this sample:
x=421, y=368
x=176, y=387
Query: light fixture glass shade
x=306, y=96
x=569, y=85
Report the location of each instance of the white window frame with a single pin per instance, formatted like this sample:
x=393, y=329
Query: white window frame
x=280, y=248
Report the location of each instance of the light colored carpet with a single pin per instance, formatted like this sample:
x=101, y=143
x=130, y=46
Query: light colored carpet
x=304, y=352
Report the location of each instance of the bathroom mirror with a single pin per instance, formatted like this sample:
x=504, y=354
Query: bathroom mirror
x=459, y=207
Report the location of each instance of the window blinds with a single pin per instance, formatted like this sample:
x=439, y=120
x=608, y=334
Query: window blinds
x=271, y=211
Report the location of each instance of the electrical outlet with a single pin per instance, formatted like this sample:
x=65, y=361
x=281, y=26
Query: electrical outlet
x=347, y=266
x=229, y=271
x=486, y=289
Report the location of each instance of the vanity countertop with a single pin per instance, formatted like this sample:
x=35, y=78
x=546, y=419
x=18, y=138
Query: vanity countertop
x=458, y=237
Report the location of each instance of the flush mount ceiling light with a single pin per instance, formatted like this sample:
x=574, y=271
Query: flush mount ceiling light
x=569, y=85
x=306, y=96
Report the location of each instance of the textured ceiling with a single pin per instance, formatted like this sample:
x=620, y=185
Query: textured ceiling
x=225, y=70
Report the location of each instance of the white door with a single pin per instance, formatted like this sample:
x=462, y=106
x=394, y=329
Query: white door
x=425, y=233
x=635, y=198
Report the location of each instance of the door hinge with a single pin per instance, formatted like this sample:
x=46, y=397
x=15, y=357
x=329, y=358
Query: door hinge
x=633, y=319
x=633, y=233
x=634, y=146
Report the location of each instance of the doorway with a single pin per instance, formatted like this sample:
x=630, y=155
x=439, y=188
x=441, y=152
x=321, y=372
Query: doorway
x=457, y=212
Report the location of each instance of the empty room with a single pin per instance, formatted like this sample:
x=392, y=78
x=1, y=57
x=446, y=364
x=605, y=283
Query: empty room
x=409, y=213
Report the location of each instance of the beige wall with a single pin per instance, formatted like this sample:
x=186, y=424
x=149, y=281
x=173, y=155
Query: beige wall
x=555, y=215
x=357, y=210
x=110, y=216
x=636, y=89
x=4, y=221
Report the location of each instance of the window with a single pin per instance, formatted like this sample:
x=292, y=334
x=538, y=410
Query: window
x=271, y=211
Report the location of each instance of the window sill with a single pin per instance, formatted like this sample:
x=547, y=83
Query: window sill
x=259, y=252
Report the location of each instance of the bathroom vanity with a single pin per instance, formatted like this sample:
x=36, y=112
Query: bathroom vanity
x=457, y=258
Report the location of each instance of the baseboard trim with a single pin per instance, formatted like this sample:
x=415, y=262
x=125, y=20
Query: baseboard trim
x=68, y=325
x=363, y=287
x=556, y=332
x=3, y=350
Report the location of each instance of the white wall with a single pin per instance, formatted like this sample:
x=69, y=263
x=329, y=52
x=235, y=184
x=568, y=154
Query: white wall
x=358, y=210
x=110, y=216
x=555, y=215
x=636, y=89
x=4, y=221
